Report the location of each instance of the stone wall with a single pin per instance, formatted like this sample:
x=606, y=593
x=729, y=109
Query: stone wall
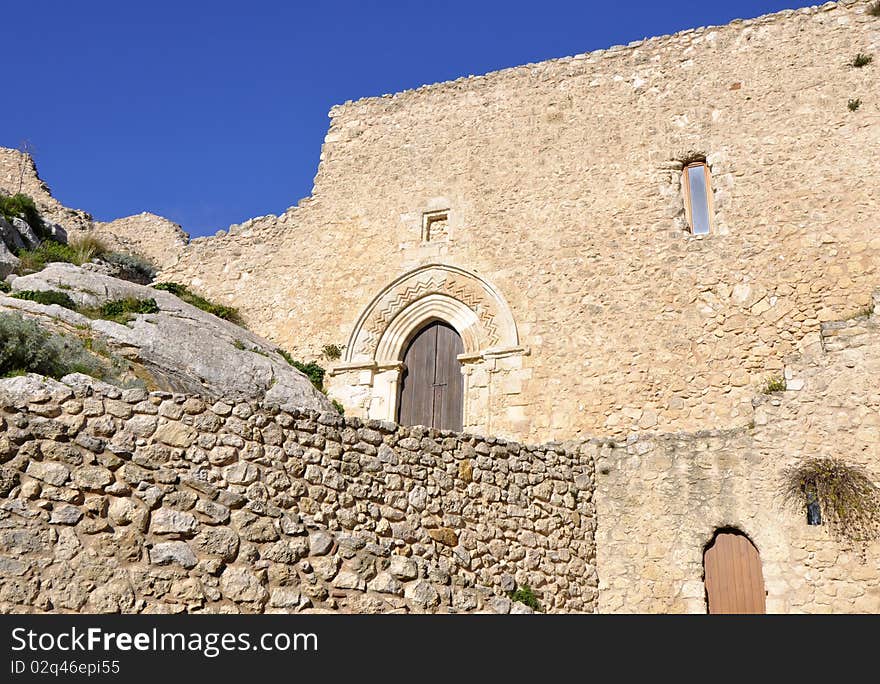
x=560, y=185
x=135, y=502
x=146, y=234
x=660, y=498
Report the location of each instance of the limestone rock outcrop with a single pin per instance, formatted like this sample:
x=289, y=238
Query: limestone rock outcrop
x=181, y=348
x=146, y=235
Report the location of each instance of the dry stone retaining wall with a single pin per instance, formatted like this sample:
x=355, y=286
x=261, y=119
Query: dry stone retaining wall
x=135, y=502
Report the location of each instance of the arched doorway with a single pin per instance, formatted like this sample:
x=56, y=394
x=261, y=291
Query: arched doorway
x=431, y=388
x=733, y=576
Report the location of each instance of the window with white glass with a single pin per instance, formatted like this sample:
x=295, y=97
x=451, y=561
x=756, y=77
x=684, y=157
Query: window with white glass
x=698, y=197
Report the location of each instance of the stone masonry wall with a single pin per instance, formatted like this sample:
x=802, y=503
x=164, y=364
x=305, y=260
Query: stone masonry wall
x=660, y=498
x=120, y=500
x=562, y=185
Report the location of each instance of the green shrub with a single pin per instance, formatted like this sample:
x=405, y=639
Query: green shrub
x=332, y=351
x=47, y=297
x=339, y=407
x=25, y=347
x=526, y=595
x=861, y=60
x=312, y=370
x=132, y=267
x=775, y=383
x=286, y=355
x=238, y=344
x=23, y=207
x=853, y=104
x=123, y=310
x=33, y=260
x=227, y=313
x=4, y=286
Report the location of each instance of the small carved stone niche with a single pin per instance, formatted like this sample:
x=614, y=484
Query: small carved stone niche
x=435, y=226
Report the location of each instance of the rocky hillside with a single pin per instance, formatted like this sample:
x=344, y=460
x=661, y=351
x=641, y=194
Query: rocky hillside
x=64, y=311
x=147, y=235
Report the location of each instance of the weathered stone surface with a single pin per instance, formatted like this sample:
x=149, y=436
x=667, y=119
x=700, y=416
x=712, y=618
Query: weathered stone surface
x=239, y=584
x=385, y=583
x=173, y=552
x=49, y=472
x=422, y=594
x=63, y=514
x=444, y=535
x=217, y=541
x=170, y=521
x=175, y=434
x=320, y=543
x=182, y=346
x=92, y=478
x=403, y=568
x=8, y=261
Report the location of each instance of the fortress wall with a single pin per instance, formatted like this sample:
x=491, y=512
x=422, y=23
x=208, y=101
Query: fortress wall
x=124, y=501
x=659, y=498
x=562, y=184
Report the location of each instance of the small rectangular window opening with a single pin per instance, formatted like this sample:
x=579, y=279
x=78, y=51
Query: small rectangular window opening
x=814, y=511
x=698, y=197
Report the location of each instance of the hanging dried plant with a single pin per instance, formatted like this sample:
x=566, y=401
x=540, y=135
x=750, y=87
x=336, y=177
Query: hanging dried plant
x=848, y=499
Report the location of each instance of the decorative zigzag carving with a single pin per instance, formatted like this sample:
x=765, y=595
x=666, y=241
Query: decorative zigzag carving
x=460, y=289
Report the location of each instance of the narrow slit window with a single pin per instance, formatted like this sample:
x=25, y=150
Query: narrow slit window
x=814, y=511
x=698, y=197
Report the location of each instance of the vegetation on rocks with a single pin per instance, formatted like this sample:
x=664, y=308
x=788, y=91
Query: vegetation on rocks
x=131, y=267
x=311, y=370
x=23, y=207
x=848, y=500
x=121, y=310
x=332, y=352
x=861, y=60
x=775, y=383
x=26, y=347
x=33, y=260
x=227, y=313
x=526, y=595
x=83, y=250
x=47, y=297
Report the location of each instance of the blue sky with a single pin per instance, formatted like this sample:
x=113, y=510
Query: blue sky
x=210, y=113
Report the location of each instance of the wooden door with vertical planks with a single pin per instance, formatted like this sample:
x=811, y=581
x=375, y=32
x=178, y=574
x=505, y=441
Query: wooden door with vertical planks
x=734, y=580
x=431, y=389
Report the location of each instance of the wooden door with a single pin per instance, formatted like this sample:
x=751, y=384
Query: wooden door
x=431, y=389
x=734, y=581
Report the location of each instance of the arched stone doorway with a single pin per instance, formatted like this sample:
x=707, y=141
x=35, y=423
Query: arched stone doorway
x=733, y=575
x=368, y=379
x=431, y=385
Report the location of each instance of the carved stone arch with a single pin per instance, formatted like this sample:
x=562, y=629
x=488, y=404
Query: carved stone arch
x=433, y=307
x=465, y=300
x=367, y=379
